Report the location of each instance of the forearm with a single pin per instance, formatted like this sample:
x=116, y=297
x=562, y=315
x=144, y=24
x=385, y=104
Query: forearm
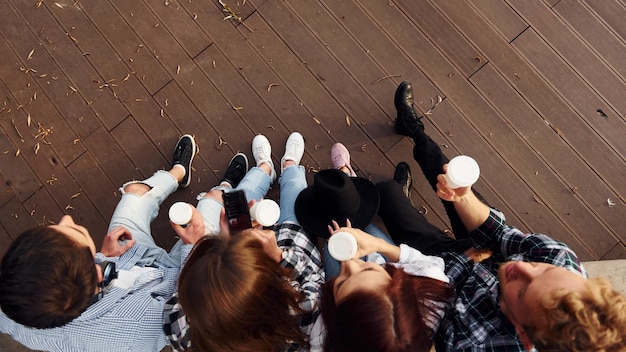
x=389, y=250
x=471, y=210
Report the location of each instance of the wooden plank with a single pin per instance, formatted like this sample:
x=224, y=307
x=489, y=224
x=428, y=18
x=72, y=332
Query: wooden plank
x=74, y=70
x=526, y=81
x=132, y=92
x=532, y=86
x=181, y=24
x=38, y=122
x=500, y=15
x=150, y=113
x=15, y=170
x=607, y=46
x=443, y=34
x=36, y=55
x=44, y=209
x=96, y=188
x=15, y=219
x=608, y=130
x=156, y=38
x=6, y=192
x=357, y=70
x=141, y=151
x=556, y=189
x=612, y=14
x=263, y=83
x=278, y=65
x=120, y=42
x=331, y=77
x=112, y=160
x=395, y=62
x=585, y=61
x=618, y=252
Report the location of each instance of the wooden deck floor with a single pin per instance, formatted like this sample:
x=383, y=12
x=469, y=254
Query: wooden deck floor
x=95, y=93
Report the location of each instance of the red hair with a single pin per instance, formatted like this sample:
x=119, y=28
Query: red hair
x=395, y=319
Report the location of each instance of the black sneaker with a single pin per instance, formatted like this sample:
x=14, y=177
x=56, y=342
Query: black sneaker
x=183, y=155
x=237, y=168
x=403, y=177
x=407, y=122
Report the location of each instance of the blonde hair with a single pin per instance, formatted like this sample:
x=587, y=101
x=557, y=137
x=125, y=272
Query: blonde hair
x=590, y=320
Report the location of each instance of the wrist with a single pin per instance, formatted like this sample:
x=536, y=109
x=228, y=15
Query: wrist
x=389, y=250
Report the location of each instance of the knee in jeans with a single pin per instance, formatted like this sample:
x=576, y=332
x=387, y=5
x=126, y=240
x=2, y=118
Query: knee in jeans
x=137, y=189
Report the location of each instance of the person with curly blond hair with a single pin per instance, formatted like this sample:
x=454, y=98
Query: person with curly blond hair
x=593, y=319
x=532, y=292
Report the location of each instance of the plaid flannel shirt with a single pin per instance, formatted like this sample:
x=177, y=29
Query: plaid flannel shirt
x=476, y=322
x=299, y=254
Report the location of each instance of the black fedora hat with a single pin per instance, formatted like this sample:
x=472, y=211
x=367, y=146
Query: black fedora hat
x=336, y=196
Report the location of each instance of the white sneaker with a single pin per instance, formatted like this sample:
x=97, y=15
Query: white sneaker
x=294, y=149
x=262, y=152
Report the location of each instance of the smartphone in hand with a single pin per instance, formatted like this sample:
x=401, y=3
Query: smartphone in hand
x=237, y=211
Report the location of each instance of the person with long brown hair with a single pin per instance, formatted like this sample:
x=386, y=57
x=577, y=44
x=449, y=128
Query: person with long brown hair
x=258, y=289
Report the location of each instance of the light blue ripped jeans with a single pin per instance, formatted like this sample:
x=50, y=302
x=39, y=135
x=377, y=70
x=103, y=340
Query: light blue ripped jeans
x=136, y=213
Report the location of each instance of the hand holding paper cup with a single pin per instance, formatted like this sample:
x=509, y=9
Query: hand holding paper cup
x=266, y=212
x=463, y=171
x=342, y=246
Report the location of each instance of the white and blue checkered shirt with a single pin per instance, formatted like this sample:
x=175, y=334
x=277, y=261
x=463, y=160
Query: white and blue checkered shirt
x=123, y=320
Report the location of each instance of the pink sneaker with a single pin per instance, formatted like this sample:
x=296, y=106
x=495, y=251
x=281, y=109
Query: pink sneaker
x=340, y=156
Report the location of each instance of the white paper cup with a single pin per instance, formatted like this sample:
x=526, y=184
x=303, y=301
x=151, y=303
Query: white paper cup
x=265, y=212
x=463, y=171
x=180, y=213
x=342, y=246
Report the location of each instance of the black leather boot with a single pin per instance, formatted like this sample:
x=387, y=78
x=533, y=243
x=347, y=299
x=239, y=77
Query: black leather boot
x=402, y=175
x=407, y=122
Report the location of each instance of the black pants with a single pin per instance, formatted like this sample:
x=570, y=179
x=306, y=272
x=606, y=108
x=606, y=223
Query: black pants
x=404, y=223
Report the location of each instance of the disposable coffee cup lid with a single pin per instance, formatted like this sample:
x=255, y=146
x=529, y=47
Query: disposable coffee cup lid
x=463, y=171
x=266, y=212
x=180, y=213
x=342, y=246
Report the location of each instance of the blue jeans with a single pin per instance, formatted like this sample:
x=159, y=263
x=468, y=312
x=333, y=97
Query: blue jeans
x=255, y=184
x=332, y=266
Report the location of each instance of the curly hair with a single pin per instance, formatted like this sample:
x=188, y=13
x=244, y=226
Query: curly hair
x=236, y=298
x=46, y=279
x=400, y=318
x=593, y=319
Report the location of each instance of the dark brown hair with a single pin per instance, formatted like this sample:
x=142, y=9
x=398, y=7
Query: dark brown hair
x=46, y=279
x=236, y=298
x=391, y=320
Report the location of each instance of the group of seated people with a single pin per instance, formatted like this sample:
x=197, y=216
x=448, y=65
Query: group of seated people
x=484, y=286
